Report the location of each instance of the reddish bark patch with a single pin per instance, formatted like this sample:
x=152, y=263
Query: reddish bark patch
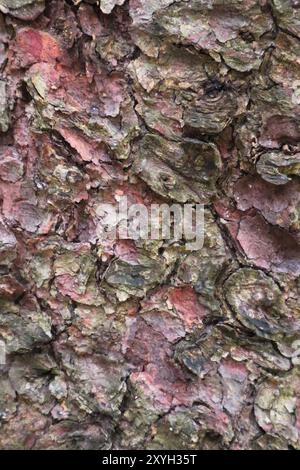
x=35, y=46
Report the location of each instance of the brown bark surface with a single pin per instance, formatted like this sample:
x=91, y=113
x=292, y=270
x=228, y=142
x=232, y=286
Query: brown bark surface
x=145, y=344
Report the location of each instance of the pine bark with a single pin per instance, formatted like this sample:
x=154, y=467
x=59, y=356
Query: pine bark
x=144, y=344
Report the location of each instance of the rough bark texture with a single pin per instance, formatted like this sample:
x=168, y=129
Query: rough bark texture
x=144, y=344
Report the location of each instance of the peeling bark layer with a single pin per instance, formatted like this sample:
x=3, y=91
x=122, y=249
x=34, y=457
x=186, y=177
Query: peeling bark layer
x=144, y=344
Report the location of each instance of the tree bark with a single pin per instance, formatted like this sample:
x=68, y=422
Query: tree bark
x=120, y=343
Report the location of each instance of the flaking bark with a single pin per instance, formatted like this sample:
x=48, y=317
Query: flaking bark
x=144, y=344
